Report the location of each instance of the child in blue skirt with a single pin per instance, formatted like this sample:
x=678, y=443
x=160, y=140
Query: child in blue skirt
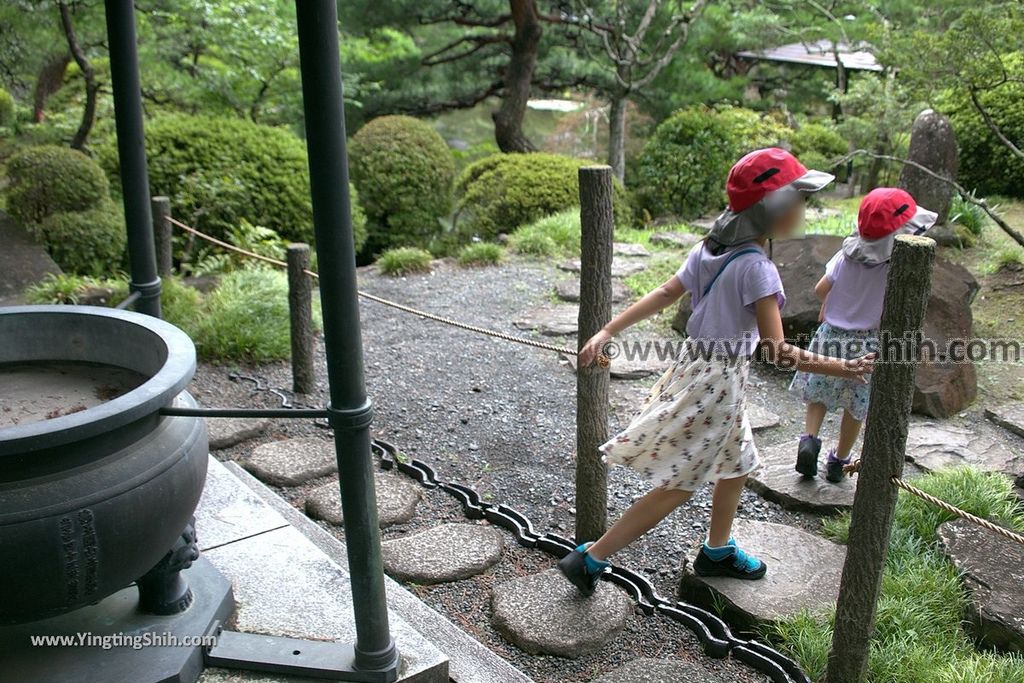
x=852, y=293
x=693, y=427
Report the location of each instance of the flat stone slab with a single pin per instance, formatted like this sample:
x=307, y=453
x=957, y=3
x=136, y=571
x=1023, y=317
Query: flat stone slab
x=396, y=501
x=1009, y=416
x=803, y=573
x=292, y=462
x=777, y=480
x=569, y=290
x=648, y=670
x=545, y=614
x=550, y=321
x=932, y=446
x=677, y=240
x=629, y=249
x=992, y=570
x=621, y=267
x=229, y=511
x=226, y=432
x=624, y=368
x=449, y=552
x=761, y=418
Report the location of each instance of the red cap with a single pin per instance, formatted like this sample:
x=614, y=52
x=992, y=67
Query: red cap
x=760, y=173
x=883, y=211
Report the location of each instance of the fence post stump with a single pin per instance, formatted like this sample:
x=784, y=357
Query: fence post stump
x=597, y=224
x=300, y=310
x=885, y=440
x=162, y=234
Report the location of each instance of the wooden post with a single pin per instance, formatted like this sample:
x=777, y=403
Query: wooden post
x=162, y=235
x=597, y=224
x=300, y=309
x=885, y=440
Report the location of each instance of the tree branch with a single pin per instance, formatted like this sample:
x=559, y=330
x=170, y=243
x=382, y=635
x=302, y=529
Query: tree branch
x=478, y=43
x=88, y=74
x=992, y=124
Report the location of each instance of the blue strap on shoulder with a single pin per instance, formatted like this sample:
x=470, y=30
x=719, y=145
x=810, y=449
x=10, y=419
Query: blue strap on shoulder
x=732, y=257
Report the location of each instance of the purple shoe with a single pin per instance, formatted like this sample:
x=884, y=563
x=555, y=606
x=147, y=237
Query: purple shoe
x=834, y=467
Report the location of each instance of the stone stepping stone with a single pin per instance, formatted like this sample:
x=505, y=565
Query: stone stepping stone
x=629, y=249
x=1009, y=416
x=777, y=481
x=569, y=290
x=551, y=321
x=992, y=570
x=449, y=552
x=932, y=446
x=396, y=501
x=291, y=462
x=620, y=267
x=803, y=573
x=676, y=240
x=647, y=670
x=545, y=614
x=622, y=368
x=761, y=418
x=226, y=432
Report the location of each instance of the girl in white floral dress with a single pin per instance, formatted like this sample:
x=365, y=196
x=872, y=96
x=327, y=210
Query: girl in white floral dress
x=693, y=428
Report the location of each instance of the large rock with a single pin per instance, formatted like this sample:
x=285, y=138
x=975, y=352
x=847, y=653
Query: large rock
x=941, y=387
x=396, y=501
x=803, y=573
x=992, y=570
x=777, y=480
x=629, y=249
x=760, y=417
x=545, y=614
x=225, y=432
x=933, y=145
x=676, y=240
x=646, y=670
x=1009, y=416
x=550, y=321
x=932, y=446
x=449, y=552
x=569, y=290
x=621, y=267
x=292, y=462
x=632, y=368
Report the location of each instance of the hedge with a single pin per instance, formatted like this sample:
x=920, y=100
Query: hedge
x=90, y=242
x=987, y=165
x=817, y=145
x=6, y=108
x=49, y=179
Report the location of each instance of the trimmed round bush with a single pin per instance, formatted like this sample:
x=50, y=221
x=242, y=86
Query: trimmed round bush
x=50, y=179
x=6, y=108
x=499, y=193
x=682, y=168
x=90, y=242
x=403, y=170
x=481, y=254
x=987, y=166
x=404, y=260
x=816, y=145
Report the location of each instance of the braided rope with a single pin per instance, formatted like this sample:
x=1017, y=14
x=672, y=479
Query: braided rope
x=953, y=510
x=602, y=360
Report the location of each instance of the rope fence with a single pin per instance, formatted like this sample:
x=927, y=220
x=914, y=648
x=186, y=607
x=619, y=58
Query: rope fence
x=849, y=469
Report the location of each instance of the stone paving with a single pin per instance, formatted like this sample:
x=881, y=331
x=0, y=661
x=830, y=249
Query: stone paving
x=444, y=553
x=621, y=267
x=1009, y=416
x=396, y=500
x=292, y=462
x=777, y=480
x=225, y=432
x=934, y=445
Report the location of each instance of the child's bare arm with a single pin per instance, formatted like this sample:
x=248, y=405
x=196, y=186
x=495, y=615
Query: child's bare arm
x=784, y=354
x=821, y=291
x=665, y=295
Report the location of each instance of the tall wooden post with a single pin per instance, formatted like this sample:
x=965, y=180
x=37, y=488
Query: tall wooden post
x=885, y=440
x=162, y=235
x=300, y=313
x=598, y=225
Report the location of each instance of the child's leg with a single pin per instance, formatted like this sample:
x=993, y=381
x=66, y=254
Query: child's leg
x=719, y=557
x=724, y=503
x=849, y=428
x=814, y=418
x=641, y=517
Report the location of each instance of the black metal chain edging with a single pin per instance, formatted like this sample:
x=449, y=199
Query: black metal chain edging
x=715, y=637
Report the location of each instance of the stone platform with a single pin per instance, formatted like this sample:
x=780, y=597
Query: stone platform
x=777, y=480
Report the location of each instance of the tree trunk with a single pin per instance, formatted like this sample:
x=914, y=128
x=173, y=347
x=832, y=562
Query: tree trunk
x=597, y=224
x=91, y=86
x=617, y=137
x=885, y=440
x=508, y=119
x=48, y=81
x=300, y=310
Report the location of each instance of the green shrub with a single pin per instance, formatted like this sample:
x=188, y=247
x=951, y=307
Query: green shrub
x=481, y=254
x=6, y=108
x=90, y=242
x=987, y=166
x=682, y=168
x=58, y=289
x=554, y=235
x=969, y=215
x=499, y=193
x=219, y=171
x=533, y=243
x=403, y=171
x=404, y=260
x=817, y=145
x=50, y=179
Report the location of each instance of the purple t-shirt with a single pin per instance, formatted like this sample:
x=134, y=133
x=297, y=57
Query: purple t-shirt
x=857, y=294
x=726, y=317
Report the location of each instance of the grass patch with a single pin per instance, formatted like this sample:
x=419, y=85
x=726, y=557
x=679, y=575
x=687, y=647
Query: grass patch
x=661, y=268
x=918, y=635
x=481, y=254
x=838, y=225
x=969, y=215
x=554, y=235
x=403, y=261
x=1008, y=256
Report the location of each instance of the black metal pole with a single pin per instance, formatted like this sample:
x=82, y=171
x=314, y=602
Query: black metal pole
x=350, y=409
x=124, y=77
